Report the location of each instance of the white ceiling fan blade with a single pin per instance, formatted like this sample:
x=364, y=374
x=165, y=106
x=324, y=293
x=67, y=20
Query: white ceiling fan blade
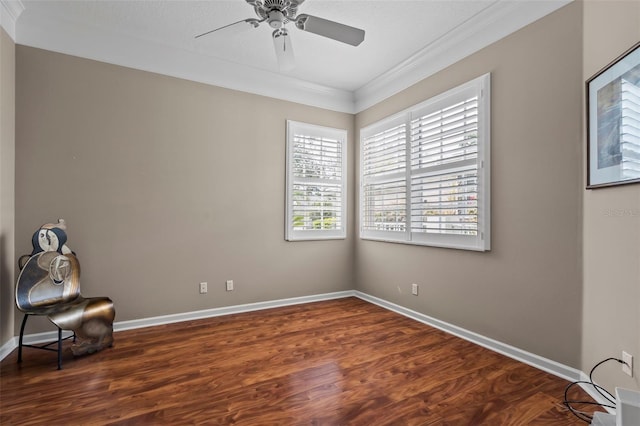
x=235, y=28
x=284, y=50
x=333, y=30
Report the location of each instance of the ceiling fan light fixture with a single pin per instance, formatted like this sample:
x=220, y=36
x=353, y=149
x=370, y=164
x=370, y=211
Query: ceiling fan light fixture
x=275, y=19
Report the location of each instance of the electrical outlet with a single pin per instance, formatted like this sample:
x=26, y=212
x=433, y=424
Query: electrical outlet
x=414, y=289
x=203, y=288
x=628, y=367
x=229, y=285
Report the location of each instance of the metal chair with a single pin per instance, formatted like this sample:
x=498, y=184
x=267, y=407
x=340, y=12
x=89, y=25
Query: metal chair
x=49, y=284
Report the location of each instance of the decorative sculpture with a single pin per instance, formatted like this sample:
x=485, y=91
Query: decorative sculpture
x=49, y=284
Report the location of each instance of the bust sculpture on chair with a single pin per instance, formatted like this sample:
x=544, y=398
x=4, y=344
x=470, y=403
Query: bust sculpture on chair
x=49, y=284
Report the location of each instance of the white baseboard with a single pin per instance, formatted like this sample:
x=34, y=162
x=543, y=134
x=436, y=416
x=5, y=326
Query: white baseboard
x=8, y=347
x=544, y=364
x=552, y=367
x=49, y=336
x=228, y=310
x=31, y=339
x=584, y=377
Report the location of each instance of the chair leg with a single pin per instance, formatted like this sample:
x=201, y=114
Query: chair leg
x=21, y=343
x=24, y=323
x=59, y=348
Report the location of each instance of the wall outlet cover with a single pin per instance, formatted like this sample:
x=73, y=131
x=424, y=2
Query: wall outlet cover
x=628, y=367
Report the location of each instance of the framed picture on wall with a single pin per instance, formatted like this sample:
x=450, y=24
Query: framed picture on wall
x=613, y=122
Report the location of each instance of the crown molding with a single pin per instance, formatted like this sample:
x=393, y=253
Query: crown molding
x=492, y=24
x=10, y=10
x=102, y=44
x=105, y=45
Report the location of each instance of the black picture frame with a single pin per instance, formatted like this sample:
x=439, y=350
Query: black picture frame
x=613, y=122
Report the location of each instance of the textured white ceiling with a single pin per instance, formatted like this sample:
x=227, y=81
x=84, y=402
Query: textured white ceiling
x=396, y=32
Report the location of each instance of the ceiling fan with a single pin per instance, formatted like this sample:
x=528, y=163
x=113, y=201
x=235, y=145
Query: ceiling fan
x=278, y=13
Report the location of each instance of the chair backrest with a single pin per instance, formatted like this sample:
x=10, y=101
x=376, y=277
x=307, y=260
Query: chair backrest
x=51, y=237
x=48, y=280
x=51, y=275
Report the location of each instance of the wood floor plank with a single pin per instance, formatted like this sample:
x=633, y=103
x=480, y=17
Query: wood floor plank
x=339, y=362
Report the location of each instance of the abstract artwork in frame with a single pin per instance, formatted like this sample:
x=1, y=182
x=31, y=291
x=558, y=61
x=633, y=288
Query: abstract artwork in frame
x=613, y=122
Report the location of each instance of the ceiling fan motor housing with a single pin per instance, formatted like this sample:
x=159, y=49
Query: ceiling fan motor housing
x=276, y=12
x=275, y=19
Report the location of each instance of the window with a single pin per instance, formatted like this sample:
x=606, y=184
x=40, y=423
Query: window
x=316, y=182
x=424, y=172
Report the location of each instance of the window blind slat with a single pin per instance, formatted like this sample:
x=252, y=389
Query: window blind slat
x=384, y=152
x=445, y=203
x=461, y=125
x=444, y=114
x=458, y=140
x=385, y=164
x=386, y=206
x=316, y=206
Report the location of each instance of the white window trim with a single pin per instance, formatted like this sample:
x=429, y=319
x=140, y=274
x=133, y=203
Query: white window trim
x=482, y=242
x=292, y=234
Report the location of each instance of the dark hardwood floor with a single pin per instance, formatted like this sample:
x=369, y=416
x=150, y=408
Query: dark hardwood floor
x=339, y=362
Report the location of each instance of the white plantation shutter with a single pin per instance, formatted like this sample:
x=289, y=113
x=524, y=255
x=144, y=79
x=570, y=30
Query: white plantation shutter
x=316, y=182
x=444, y=170
x=384, y=179
x=432, y=162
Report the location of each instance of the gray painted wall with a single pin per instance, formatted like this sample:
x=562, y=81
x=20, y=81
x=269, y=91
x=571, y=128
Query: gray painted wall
x=611, y=321
x=7, y=185
x=527, y=290
x=164, y=183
